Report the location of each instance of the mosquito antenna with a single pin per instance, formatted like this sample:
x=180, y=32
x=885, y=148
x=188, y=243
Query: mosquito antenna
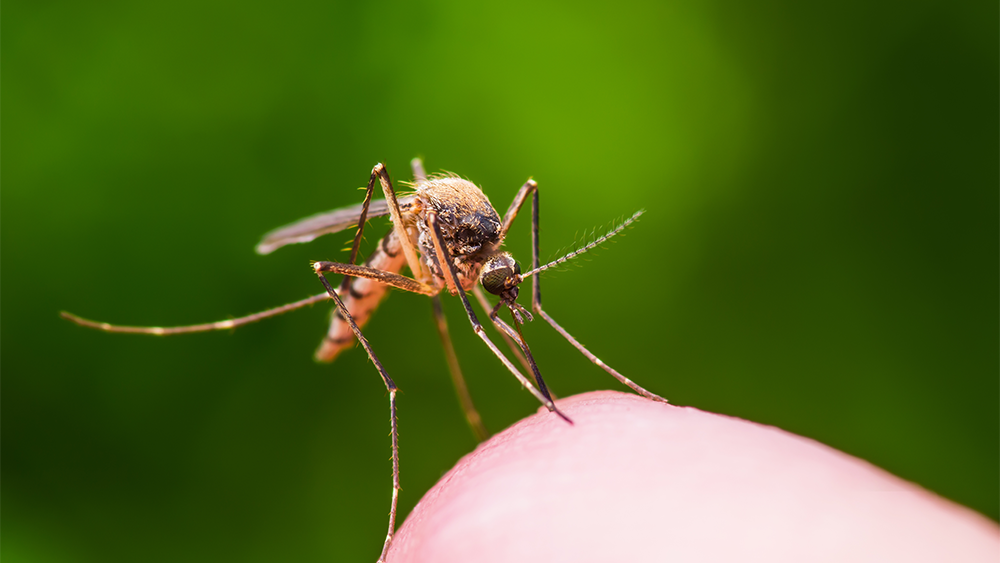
x=589, y=246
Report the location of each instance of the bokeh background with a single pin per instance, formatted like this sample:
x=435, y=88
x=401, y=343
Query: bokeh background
x=819, y=253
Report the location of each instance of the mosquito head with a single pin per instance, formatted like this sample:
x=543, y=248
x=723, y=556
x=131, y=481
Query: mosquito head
x=500, y=276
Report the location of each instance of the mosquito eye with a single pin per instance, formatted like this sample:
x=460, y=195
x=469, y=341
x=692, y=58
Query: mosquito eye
x=494, y=279
x=517, y=268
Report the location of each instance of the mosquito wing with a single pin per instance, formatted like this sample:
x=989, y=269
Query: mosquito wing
x=334, y=221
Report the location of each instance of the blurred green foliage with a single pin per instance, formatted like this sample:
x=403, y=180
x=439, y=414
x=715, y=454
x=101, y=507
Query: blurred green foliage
x=820, y=250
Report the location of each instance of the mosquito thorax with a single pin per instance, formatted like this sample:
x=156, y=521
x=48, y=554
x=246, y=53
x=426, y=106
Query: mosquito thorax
x=499, y=275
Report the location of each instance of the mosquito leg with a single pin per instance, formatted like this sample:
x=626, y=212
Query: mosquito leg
x=536, y=301
x=614, y=373
x=471, y=414
x=451, y=278
x=391, y=387
x=477, y=291
x=337, y=338
x=344, y=285
x=529, y=187
x=205, y=327
x=418, y=169
x=409, y=249
x=369, y=283
x=516, y=335
x=381, y=276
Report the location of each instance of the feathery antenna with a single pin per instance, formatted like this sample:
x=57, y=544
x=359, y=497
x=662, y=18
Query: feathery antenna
x=589, y=246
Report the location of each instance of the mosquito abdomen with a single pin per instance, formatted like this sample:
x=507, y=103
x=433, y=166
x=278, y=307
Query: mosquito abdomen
x=361, y=298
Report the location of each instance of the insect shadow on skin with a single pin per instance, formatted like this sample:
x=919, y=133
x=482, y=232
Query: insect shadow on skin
x=449, y=236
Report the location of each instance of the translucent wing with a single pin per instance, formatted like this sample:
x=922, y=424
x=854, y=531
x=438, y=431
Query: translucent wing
x=334, y=221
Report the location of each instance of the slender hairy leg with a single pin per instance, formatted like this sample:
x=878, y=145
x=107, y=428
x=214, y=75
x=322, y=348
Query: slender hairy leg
x=451, y=279
x=464, y=398
x=391, y=387
x=484, y=302
x=346, y=282
x=471, y=414
x=536, y=290
x=529, y=187
x=359, y=295
x=380, y=172
x=370, y=283
x=409, y=250
x=204, y=327
x=517, y=335
x=381, y=276
x=330, y=346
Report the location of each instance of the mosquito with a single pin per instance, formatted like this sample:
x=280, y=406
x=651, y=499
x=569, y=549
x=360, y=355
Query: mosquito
x=449, y=236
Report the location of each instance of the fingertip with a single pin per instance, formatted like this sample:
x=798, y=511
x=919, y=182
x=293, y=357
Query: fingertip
x=635, y=479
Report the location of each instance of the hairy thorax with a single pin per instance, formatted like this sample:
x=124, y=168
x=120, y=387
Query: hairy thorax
x=469, y=224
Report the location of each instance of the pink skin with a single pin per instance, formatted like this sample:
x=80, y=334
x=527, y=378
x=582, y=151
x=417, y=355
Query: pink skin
x=634, y=480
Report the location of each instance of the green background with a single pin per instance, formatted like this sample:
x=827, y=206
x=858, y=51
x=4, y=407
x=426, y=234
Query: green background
x=820, y=249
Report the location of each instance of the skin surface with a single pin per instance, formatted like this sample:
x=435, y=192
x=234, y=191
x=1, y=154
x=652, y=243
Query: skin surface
x=635, y=480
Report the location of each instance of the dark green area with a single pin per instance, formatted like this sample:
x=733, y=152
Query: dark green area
x=820, y=249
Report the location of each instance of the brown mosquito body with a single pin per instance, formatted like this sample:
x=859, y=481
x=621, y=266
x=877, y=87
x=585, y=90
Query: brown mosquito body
x=470, y=227
x=449, y=236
